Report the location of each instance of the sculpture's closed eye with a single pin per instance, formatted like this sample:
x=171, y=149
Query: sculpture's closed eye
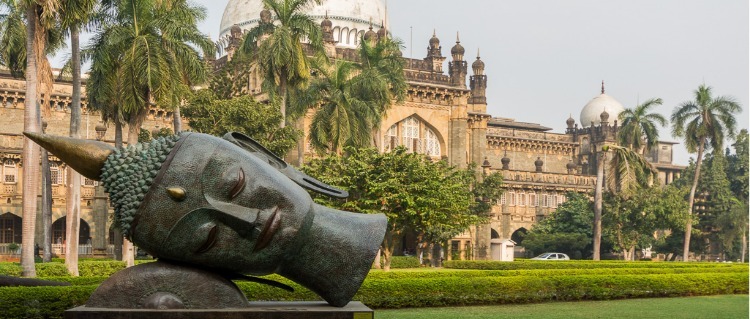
x=209, y=241
x=239, y=186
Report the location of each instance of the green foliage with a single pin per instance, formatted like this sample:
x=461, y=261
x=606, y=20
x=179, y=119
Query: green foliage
x=568, y=229
x=145, y=136
x=486, y=193
x=631, y=223
x=211, y=115
x=581, y=264
x=430, y=198
x=400, y=262
x=639, y=126
x=737, y=169
x=706, y=119
x=42, y=302
x=57, y=269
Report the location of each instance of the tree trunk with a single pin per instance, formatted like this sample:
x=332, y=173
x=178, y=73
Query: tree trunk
x=30, y=149
x=117, y=236
x=744, y=244
x=376, y=262
x=387, y=250
x=134, y=127
x=598, y=207
x=46, y=209
x=282, y=93
x=73, y=197
x=176, y=120
x=691, y=200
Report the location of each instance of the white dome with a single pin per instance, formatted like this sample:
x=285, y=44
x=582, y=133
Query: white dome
x=351, y=18
x=595, y=107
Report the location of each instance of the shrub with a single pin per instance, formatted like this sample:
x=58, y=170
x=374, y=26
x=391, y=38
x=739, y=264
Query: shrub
x=403, y=262
x=581, y=264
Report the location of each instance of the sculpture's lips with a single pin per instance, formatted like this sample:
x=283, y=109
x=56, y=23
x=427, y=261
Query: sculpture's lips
x=269, y=229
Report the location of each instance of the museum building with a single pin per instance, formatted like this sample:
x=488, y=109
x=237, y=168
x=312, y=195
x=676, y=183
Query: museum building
x=444, y=116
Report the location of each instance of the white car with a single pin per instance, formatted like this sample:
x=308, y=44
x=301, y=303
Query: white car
x=551, y=256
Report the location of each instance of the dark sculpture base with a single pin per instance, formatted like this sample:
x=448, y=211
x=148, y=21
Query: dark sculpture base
x=256, y=310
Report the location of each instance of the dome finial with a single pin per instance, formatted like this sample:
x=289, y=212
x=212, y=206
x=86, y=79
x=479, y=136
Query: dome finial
x=602, y=86
x=433, y=33
x=457, y=39
x=477, y=53
x=326, y=14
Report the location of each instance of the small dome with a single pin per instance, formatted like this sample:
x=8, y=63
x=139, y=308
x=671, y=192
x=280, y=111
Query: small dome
x=458, y=49
x=570, y=121
x=486, y=162
x=539, y=163
x=505, y=161
x=382, y=33
x=604, y=116
x=236, y=30
x=477, y=65
x=100, y=127
x=593, y=110
x=326, y=23
x=434, y=41
x=370, y=35
x=265, y=15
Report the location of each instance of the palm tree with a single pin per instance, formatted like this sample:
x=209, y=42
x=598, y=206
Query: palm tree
x=342, y=116
x=74, y=15
x=278, y=47
x=381, y=78
x=639, y=126
x=704, y=123
x=141, y=57
x=628, y=171
x=39, y=19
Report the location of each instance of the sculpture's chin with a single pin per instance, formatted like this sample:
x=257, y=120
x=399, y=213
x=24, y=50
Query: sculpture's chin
x=337, y=254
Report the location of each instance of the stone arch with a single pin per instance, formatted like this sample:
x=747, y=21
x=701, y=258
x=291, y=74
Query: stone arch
x=427, y=124
x=344, y=36
x=352, y=37
x=336, y=33
x=494, y=234
x=518, y=235
x=59, y=235
x=10, y=228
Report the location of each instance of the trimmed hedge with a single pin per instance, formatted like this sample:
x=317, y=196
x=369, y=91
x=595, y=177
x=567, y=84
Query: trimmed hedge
x=93, y=267
x=438, y=290
x=575, y=264
x=400, y=262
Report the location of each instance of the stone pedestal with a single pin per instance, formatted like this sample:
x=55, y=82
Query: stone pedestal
x=256, y=310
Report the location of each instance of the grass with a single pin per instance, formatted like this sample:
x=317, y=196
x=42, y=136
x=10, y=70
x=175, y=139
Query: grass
x=724, y=306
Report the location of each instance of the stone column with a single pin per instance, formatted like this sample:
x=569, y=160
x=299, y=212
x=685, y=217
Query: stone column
x=100, y=212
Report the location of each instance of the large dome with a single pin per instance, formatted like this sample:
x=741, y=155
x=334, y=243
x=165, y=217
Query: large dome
x=351, y=18
x=596, y=106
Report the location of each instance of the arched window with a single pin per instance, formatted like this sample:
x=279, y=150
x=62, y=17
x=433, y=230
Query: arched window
x=503, y=199
x=411, y=134
x=521, y=199
x=585, y=146
x=432, y=145
x=10, y=172
x=55, y=174
x=532, y=200
x=512, y=199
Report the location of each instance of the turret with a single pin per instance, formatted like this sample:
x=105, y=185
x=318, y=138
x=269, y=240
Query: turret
x=478, y=82
x=458, y=67
x=434, y=55
x=329, y=44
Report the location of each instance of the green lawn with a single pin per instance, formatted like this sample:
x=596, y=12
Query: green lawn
x=719, y=307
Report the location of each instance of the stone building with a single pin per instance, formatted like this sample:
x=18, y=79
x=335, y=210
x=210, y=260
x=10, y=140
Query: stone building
x=444, y=116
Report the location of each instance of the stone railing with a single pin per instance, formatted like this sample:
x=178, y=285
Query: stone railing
x=512, y=177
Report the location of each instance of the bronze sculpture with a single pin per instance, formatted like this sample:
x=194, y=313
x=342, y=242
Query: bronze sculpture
x=229, y=205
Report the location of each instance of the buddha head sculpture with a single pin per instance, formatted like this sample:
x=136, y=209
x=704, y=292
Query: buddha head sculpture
x=230, y=205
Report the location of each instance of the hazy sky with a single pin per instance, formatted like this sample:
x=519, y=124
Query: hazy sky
x=545, y=59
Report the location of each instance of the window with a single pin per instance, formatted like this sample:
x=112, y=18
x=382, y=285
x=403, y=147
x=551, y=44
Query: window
x=88, y=182
x=521, y=199
x=432, y=144
x=512, y=197
x=532, y=200
x=503, y=199
x=411, y=134
x=560, y=199
x=55, y=174
x=553, y=201
x=391, y=137
x=10, y=174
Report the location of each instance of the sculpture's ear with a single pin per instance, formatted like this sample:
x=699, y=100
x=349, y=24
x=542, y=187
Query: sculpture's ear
x=298, y=177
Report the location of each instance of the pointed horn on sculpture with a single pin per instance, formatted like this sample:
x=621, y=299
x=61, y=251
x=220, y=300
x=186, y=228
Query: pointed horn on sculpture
x=84, y=156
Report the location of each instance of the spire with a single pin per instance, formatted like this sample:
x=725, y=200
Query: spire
x=457, y=39
x=602, y=86
x=478, y=53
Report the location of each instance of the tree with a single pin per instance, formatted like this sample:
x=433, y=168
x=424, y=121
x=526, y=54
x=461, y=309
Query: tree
x=427, y=197
x=277, y=47
x=737, y=172
x=631, y=222
x=568, y=229
x=74, y=15
x=211, y=115
x=143, y=56
x=342, y=118
x=639, y=126
x=628, y=171
x=704, y=123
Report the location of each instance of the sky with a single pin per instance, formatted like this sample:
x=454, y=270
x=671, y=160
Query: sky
x=545, y=59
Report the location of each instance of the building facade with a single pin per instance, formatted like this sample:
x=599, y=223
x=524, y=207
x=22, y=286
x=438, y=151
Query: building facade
x=444, y=116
